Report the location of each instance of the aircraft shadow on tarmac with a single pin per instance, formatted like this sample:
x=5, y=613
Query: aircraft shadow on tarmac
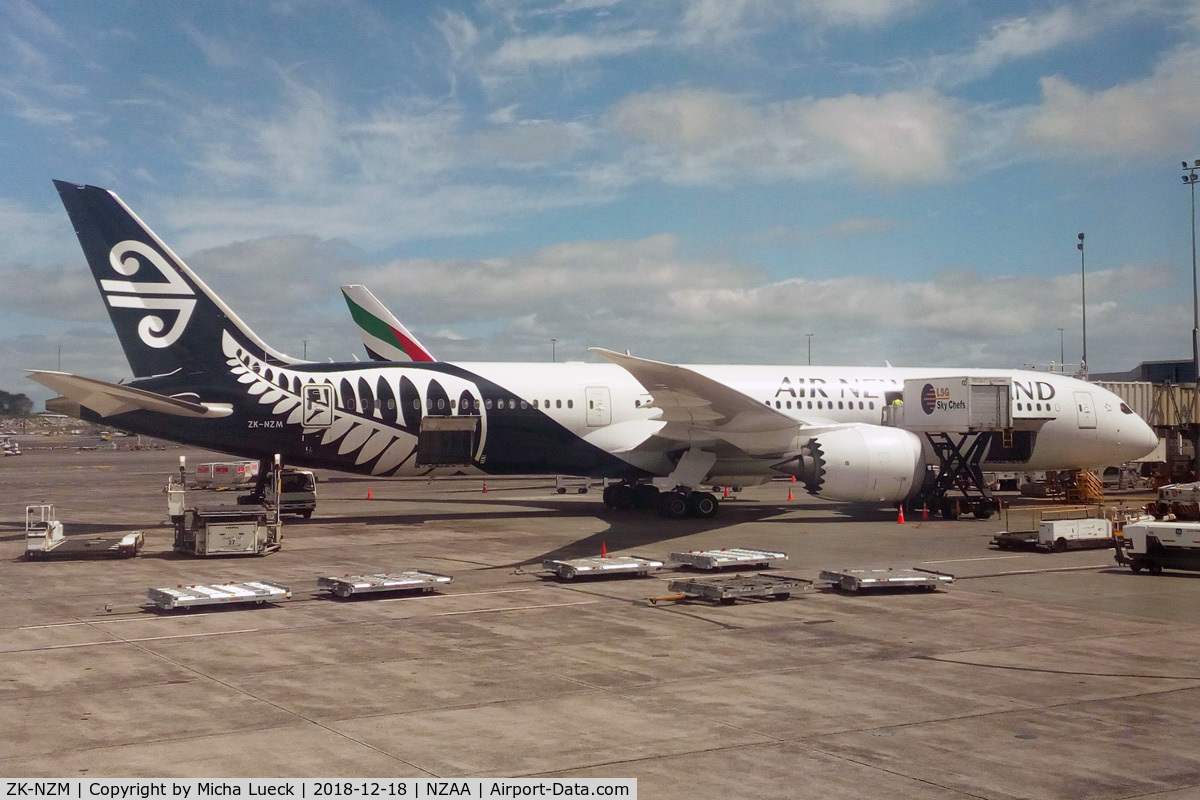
x=627, y=529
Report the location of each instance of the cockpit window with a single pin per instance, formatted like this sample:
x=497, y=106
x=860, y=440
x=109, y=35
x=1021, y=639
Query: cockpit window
x=1125, y=409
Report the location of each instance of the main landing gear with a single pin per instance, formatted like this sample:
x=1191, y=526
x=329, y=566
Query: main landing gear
x=675, y=504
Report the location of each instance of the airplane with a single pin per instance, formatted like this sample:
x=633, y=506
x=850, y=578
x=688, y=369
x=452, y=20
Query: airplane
x=385, y=338
x=662, y=433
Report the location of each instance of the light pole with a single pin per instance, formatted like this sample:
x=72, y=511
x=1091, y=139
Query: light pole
x=1062, y=352
x=553, y=353
x=809, y=335
x=1189, y=177
x=1083, y=284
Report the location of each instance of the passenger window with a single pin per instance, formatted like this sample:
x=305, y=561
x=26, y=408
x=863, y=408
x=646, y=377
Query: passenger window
x=789, y=403
x=872, y=405
x=558, y=403
x=524, y=405
x=570, y=404
x=839, y=404
x=488, y=404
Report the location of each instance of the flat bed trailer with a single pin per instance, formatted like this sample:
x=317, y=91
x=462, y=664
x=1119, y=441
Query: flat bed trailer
x=727, y=557
x=407, y=580
x=572, y=568
x=728, y=590
x=257, y=592
x=855, y=580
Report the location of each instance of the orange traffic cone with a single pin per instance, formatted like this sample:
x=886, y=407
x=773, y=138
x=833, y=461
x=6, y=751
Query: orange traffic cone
x=789, y=493
x=726, y=495
x=485, y=487
x=924, y=511
x=368, y=492
x=900, y=515
x=603, y=550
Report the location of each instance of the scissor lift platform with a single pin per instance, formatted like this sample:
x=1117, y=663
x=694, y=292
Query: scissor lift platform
x=728, y=590
x=727, y=557
x=218, y=594
x=411, y=579
x=854, y=580
x=570, y=569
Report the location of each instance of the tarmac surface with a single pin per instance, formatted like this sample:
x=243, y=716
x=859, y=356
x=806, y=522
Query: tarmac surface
x=1033, y=675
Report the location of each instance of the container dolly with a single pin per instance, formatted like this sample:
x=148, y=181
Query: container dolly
x=854, y=580
x=727, y=557
x=257, y=592
x=730, y=589
x=348, y=585
x=570, y=569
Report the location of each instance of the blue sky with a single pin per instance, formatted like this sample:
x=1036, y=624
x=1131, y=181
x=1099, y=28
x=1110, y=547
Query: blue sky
x=695, y=181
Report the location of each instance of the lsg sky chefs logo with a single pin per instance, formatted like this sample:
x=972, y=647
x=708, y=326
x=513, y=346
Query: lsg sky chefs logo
x=929, y=398
x=938, y=399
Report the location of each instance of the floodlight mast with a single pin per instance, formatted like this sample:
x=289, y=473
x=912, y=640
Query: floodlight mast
x=1190, y=178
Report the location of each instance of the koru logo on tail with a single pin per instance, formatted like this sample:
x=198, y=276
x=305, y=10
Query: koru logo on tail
x=174, y=295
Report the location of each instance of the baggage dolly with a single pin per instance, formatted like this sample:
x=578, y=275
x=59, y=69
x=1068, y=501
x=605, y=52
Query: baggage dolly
x=854, y=580
x=727, y=557
x=727, y=590
x=570, y=569
x=348, y=585
x=257, y=592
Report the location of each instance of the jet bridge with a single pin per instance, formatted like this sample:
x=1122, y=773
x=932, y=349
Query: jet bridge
x=959, y=417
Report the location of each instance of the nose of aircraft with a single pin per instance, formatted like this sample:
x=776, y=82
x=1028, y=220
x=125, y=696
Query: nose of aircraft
x=1140, y=440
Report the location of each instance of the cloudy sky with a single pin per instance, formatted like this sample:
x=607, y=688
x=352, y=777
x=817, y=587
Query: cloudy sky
x=702, y=181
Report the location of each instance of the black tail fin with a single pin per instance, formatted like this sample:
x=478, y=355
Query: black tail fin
x=166, y=318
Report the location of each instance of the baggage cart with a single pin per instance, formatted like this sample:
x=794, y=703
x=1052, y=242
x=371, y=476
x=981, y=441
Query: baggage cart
x=579, y=485
x=570, y=569
x=257, y=592
x=855, y=580
x=412, y=579
x=727, y=557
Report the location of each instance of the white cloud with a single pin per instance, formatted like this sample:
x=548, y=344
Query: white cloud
x=1153, y=115
x=896, y=138
x=529, y=51
x=700, y=136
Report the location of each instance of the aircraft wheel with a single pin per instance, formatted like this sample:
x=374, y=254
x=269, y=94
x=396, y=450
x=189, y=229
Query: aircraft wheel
x=645, y=496
x=672, y=505
x=703, y=505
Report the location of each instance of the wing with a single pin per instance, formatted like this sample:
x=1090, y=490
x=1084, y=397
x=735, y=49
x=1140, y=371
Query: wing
x=107, y=399
x=695, y=406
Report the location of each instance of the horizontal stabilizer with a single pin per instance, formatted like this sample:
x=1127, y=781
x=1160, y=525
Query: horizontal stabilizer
x=108, y=399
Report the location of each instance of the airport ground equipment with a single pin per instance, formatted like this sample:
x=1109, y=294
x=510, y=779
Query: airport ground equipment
x=729, y=589
x=1155, y=546
x=44, y=539
x=1181, y=500
x=579, y=485
x=856, y=580
x=727, y=557
x=258, y=592
x=221, y=530
x=1059, y=535
x=412, y=579
x=962, y=418
x=222, y=475
x=570, y=569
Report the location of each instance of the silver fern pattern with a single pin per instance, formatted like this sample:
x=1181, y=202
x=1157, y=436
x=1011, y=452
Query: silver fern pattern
x=365, y=435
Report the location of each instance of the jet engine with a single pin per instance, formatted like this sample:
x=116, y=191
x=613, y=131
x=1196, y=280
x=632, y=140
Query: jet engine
x=865, y=463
